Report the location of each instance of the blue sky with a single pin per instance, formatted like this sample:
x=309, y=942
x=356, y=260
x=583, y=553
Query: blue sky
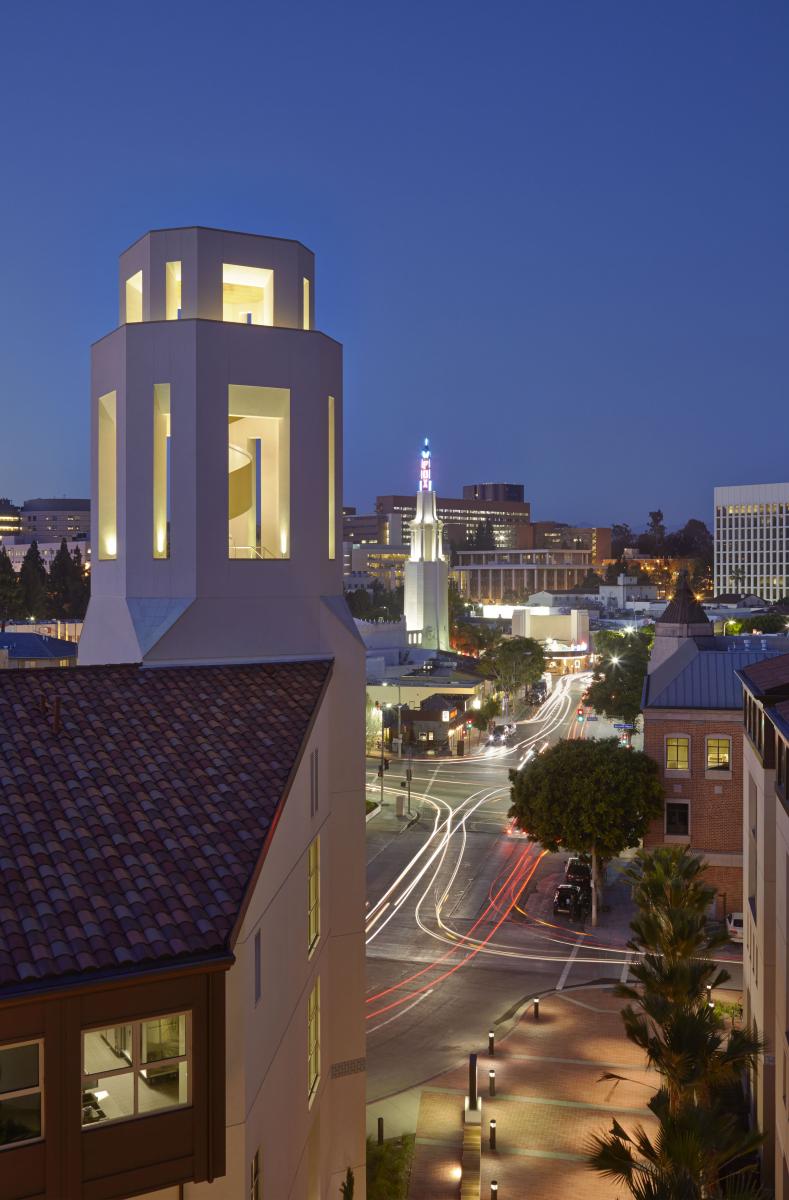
x=553, y=236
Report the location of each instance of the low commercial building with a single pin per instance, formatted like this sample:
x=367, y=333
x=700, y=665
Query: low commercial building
x=692, y=712
x=488, y=576
x=28, y=650
x=765, y=836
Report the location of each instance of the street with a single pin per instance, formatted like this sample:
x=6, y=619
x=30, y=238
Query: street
x=460, y=931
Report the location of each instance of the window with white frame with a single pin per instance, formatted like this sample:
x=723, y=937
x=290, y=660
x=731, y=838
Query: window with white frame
x=718, y=756
x=314, y=1040
x=677, y=818
x=677, y=754
x=21, y=1090
x=136, y=1068
x=314, y=893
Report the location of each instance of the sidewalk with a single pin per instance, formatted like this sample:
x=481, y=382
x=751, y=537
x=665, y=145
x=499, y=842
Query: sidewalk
x=616, y=911
x=549, y=1100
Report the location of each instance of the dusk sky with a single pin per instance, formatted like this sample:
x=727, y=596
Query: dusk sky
x=552, y=236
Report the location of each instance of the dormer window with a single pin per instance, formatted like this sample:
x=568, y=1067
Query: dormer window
x=247, y=294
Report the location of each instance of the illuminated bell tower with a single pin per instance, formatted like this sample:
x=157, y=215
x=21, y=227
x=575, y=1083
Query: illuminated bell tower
x=427, y=571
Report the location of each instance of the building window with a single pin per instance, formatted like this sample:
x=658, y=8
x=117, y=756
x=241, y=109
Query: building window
x=254, y=1177
x=134, y=298
x=314, y=1040
x=314, y=894
x=677, y=754
x=161, y=470
x=305, y=303
x=172, y=296
x=677, y=819
x=257, y=968
x=247, y=294
x=108, y=481
x=718, y=754
x=314, y=783
x=332, y=484
x=135, y=1069
x=258, y=472
x=21, y=1081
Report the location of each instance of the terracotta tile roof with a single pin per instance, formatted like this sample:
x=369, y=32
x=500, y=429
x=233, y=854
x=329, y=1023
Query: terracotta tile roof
x=769, y=675
x=129, y=837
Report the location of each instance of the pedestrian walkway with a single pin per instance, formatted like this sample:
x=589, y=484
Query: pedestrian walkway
x=550, y=1098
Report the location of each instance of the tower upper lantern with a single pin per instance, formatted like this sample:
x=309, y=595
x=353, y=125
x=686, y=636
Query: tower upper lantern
x=216, y=454
x=425, y=480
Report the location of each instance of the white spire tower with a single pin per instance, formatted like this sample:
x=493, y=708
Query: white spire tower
x=427, y=571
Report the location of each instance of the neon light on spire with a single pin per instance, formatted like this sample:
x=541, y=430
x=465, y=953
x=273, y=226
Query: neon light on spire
x=425, y=481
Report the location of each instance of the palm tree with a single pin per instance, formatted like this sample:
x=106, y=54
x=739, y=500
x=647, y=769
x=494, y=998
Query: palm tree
x=696, y=1154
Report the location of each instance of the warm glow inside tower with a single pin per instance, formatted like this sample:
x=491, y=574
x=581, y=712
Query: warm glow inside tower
x=427, y=571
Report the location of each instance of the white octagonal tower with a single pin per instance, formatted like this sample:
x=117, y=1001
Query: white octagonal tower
x=216, y=456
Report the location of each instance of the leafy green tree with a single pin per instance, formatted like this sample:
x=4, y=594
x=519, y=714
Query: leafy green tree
x=79, y=592
x=9, y=590
x=761, y=623
x=61, y=584
x=514, y=662
x=592, y=796
x=622, y=537
x=619, y=675
x=33, y=583
x=614, y=570
x=489, y=709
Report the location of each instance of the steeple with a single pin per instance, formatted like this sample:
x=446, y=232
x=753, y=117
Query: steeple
x=682, y=618
x=425, y=480
x=427, y=571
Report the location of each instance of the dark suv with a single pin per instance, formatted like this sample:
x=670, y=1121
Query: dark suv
x=578, y=871
x=567, y=901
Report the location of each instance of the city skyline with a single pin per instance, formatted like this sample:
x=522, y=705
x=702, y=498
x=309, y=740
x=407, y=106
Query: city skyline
x=564, y=238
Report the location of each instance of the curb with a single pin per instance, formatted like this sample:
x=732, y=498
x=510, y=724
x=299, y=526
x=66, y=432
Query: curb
x=372, y=813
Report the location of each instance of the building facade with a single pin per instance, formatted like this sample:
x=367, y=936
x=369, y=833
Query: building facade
x=692, y=713
x=10, y=519
x=491, y=575
x=494, y=492
x=464, y=519
x=52, y=519
x=554, y=535
x=752, y=540
x=766, y=903
x=197, y=972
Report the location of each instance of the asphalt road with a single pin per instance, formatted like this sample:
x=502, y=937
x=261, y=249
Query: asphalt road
x=460, y=932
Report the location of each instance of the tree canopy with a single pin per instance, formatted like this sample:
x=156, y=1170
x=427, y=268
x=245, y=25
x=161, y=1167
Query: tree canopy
x=619, y=676
x=9, y=590
x=593, y=796
x=514, y=662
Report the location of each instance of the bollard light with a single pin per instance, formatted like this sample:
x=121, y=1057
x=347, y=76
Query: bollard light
x=536, y=1008
x=493, y=1135
x=494, y=1189
x=491, y=1043
x=711, y=1004
x=492, y=1082
x=709, y=992
x=380, y=1131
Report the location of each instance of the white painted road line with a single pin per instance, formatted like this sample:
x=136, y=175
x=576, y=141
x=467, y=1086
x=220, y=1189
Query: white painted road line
x=402, y=1011
x=567, y=965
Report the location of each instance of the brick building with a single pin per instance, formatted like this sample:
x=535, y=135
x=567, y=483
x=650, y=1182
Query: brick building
x=692, y=707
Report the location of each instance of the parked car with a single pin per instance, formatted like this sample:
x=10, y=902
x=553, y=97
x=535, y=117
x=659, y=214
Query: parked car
x=578, y=870
x=567, y=901
x=734, y=926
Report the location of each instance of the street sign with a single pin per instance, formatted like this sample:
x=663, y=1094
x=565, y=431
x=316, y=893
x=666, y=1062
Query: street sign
x=620, y=726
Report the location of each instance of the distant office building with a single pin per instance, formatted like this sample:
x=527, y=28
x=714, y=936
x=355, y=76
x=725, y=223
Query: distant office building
x=512, y=575
x=547, y=535
x=361, y=528
x=386, y=564
x=463, y=519
x=49, y=520
x=10, y=519
x=752, y=540
x=493, y=492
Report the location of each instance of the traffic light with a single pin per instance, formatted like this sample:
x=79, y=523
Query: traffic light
x=386, y=764
x=580, y=714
